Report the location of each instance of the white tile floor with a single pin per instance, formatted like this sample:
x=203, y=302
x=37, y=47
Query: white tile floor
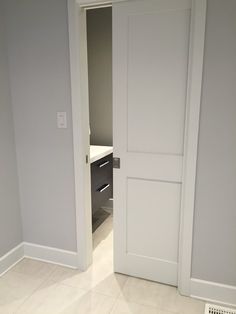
x=35, y=287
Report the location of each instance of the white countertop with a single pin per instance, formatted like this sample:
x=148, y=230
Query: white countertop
x=97, y=152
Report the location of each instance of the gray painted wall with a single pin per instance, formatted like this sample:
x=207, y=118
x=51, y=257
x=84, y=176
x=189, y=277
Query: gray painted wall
x=99, y=34
x=10, y=219
x=40, y=81
x=214, y=245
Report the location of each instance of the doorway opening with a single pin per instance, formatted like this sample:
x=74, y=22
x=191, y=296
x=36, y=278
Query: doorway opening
x=99, y=56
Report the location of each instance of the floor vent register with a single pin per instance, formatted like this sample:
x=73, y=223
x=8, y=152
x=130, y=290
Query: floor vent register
x=216, y=309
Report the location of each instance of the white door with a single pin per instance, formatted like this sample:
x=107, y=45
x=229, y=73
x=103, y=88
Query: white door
x=150, y=74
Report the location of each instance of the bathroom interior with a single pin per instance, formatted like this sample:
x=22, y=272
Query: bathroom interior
x=99, y=50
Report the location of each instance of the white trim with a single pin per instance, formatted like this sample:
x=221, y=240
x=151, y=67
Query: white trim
x=38, y=252
x=196, y=56
x=96, y=6
x=79, y=100
x=11, y=258
x=93, y=4
x=213, y=292
x=50, y=255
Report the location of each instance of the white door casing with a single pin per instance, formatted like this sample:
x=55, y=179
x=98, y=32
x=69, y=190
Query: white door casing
x=152, y=69
x=80, y=123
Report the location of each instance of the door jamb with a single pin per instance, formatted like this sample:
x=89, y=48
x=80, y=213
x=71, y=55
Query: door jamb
x=194, y=87
x=80, y=122
x=79, y=100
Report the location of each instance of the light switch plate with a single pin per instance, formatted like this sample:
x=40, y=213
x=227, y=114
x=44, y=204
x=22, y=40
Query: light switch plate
x=61, y=120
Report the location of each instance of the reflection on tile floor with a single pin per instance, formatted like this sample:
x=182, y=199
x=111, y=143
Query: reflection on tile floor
x=34, y=287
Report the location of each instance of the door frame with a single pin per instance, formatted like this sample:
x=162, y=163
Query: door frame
x=80, y=120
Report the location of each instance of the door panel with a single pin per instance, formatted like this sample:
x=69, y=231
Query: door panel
x=150, y=74
x=143, y=219
x=157, y=72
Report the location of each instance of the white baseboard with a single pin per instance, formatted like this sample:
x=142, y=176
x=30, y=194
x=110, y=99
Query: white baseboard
x=38, y=252
x=11, y=258
x=51, y=255
x=213, y=292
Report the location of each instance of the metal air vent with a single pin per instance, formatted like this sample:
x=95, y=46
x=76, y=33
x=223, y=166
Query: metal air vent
x=216, y=309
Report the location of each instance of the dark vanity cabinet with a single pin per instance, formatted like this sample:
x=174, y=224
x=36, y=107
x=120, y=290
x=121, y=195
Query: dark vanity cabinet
x=101, y=182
